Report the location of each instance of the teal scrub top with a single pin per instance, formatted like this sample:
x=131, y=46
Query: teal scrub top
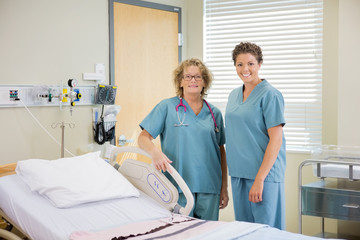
x=246, y=131
x=193, y=149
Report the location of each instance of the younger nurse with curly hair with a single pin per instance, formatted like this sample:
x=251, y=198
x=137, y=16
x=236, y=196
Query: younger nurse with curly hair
x=255, y=142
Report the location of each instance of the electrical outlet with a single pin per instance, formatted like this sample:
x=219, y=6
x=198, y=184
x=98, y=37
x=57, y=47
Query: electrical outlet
x=14, y=95
x=99, y=74
x=100, y=68
x=5, y=97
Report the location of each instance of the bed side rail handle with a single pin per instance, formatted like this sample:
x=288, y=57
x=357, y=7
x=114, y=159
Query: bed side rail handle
x=174, y=174
x=8, y=235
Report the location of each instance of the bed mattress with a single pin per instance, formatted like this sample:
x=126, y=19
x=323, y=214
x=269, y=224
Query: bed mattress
x=41, y=220
x=36, y=216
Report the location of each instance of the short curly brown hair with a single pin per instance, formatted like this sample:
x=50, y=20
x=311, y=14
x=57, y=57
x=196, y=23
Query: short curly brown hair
x=247, y=47
x=205, y=73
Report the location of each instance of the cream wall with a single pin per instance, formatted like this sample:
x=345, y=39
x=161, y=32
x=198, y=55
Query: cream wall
x=46, y=42
x=349, y=73
x=349, y=85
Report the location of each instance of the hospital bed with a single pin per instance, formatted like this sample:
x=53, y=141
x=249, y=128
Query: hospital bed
x=131, y=217
x=337, y=192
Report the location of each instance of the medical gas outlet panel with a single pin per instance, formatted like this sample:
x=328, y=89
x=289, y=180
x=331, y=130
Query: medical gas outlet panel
x=47, y=95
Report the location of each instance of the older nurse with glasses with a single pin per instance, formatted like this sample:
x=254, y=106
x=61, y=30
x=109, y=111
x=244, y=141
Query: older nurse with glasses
x=192, y=139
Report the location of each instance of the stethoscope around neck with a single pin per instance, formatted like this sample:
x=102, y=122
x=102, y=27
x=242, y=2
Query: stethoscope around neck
x=181, y=122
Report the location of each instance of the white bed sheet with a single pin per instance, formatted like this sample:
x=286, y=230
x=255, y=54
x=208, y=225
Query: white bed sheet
x=182, y=227
x=42, y=221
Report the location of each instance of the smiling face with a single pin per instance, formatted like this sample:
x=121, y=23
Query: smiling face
x=247, y=68
x=192, y=82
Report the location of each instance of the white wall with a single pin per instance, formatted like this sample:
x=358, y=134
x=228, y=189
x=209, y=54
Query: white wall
x=46, y=42
x=349, y=73
x=348, y=86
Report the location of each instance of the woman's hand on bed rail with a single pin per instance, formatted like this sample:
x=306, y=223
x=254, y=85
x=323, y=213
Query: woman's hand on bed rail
x=160, y=160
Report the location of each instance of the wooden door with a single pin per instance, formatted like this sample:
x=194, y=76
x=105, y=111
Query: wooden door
x=146, y=52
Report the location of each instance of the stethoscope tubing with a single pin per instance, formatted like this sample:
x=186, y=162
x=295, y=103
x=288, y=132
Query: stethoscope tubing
x=213, y=117
x=181, y=123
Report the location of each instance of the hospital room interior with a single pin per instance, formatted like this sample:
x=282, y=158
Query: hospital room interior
x=45, y=44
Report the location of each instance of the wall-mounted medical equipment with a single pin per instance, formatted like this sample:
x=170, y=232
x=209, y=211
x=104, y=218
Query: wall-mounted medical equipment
x=63, y=96
x=46, y=95
x=105, y=94
x=73, y=95
x=104, y=123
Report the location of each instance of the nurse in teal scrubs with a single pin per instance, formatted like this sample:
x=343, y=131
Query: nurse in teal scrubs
x=255, y=145
x=192, y=139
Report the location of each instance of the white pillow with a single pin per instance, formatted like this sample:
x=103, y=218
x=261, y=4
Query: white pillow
x=67, y=182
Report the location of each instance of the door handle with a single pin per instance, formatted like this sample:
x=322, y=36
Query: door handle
x=349, y=205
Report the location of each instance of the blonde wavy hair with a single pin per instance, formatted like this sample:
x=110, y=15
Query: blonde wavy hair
x=205, y=73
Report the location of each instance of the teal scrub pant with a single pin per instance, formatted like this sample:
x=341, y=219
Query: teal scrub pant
x=270, y=211
x=206, y=205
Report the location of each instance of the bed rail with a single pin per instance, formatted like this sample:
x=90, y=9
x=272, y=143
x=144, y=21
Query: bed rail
x=152, y=171
x=8, y=235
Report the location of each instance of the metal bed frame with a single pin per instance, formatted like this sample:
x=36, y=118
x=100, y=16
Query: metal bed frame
x=339, y=194
x=6, y=233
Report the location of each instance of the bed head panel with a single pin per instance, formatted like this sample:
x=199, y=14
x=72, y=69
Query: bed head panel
x=7, y=169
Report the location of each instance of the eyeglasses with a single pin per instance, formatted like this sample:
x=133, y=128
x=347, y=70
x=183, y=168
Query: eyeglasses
x=189, y=77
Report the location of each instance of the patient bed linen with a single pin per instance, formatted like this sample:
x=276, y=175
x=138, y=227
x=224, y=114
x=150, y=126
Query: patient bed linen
x=42, y=221
x=182, y=227
x=118, y=218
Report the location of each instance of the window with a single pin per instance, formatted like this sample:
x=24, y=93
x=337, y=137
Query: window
x=290, y=35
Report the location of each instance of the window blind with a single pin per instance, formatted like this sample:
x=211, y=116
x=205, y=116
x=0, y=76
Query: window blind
x=290, y=35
